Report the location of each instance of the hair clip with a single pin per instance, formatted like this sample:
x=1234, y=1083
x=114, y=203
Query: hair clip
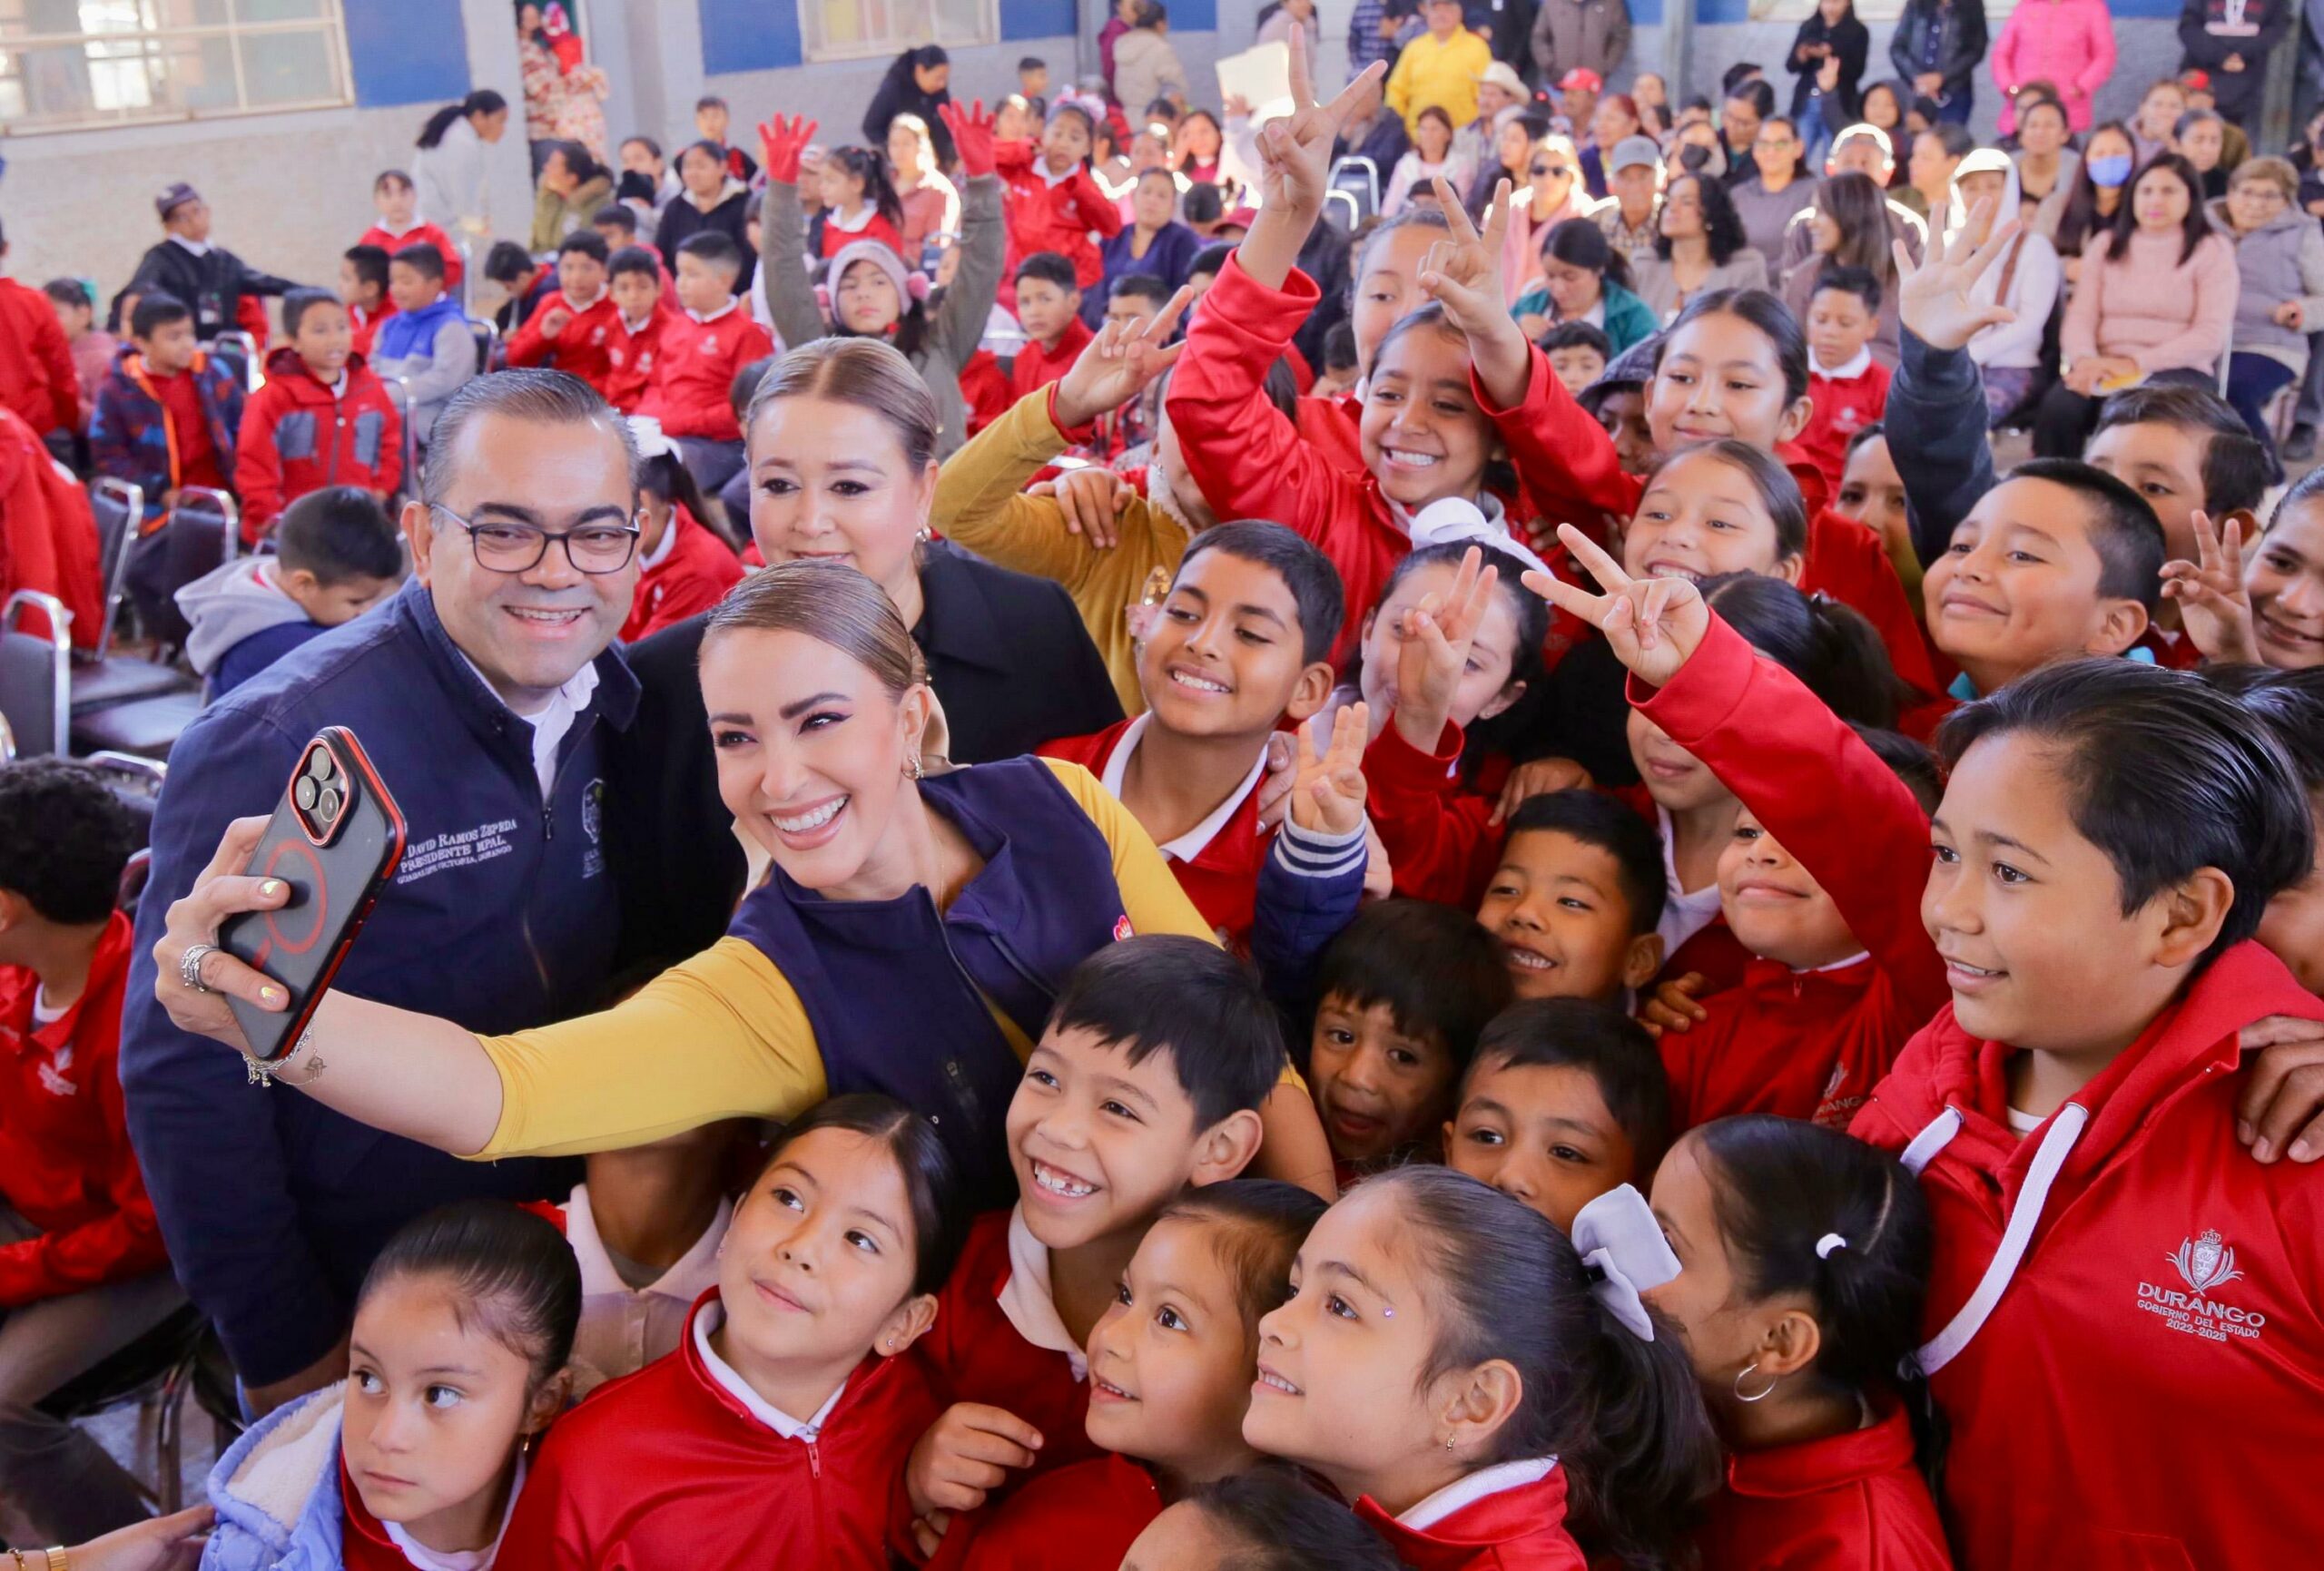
x=1830, y=1244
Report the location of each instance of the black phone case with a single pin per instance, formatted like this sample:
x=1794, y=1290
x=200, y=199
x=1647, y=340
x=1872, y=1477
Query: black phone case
x=335, y=862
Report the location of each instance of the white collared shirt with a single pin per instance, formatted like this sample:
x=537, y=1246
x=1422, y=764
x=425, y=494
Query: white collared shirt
x=1463, y=1493
x=714, y=316
x=1849, y=372
x=624, y=1329
x=1190, y=845
x=1025, y=1298
x=833, y=218
x=426, y=1559
x=553, y=720
x=1041, y=168
x=1685, y=912
x=712, y=1317
x=661, y=553
x=198, y=247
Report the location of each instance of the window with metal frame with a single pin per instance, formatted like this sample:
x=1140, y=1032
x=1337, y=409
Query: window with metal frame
x=861, y=29
x=69, y=65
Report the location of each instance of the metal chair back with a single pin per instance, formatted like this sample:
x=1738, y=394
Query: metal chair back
x=36, y=675
x=119, y=508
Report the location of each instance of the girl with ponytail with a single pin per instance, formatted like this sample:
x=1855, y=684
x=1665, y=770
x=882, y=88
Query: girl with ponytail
x=1486, y=1392
x=1824, y=872
x=1806, y=1259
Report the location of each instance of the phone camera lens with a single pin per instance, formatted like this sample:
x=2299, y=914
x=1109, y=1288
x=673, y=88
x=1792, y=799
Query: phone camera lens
x=327, y=805
x=304, y=793
x=319, y=766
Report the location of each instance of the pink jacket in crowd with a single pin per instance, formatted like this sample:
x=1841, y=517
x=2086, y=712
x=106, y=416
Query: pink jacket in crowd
x=2068, y=41
x=2149, y=309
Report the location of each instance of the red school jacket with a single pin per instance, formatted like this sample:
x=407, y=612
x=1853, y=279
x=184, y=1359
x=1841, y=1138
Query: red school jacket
x=1251, y=462
x=418, y=234
x=2148, y=1387
x=632, y=355
x=1581, y=480
x=837, y=239
x=1517, y=1526
x=1811, y=1044
x=1852, y=1502
x=1441, y=842
x=65, y=1161
x=36, y=376
x=692, y=573
x=1087, y=1515
x=666, y=1468
x=1843, y=406
x=973, y=1354
x=1037, y=365
x=1222, y=879
x=580, y=347
x=1040, y=216
x=300, y=435
x=693, y=388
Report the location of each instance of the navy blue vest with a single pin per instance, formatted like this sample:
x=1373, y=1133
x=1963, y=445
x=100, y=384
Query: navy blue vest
x=897, y=991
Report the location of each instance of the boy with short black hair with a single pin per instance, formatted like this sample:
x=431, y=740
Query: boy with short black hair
x=1049, y=306
x=711, y=119
x=1180, y=1033
x=1342, y=366
x=1033, y=86
x=1849, y=387
x=426, y=343
x=703, y=346
x=337, y=554
x=93, y=348
x=166, y=414
x=616, y=225
x=1401, y=995
x=81, y=1269
x=363, y=290
x=1564, y=1101
x=2110, y=837
x=1578, y=353
x=578, y=319
x=322, y=419
x=401, y=224
x=1134, y=299
x=635, y=353
x=1577, y=897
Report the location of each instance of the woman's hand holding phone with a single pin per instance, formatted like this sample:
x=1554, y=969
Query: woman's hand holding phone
x=222, y=890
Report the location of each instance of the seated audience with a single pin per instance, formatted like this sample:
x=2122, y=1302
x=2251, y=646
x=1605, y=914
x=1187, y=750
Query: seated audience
x=1701, y=249
x=571, y=328
x=427, y=344
x=1781, y=188
x=1848, y=388
x=2280, y=274
x=322, y=419
x=337, y=554
x=167, y=413
x=698, y=350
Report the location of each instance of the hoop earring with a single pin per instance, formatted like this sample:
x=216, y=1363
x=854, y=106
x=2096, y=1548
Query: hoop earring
x=913, y=770
x=1760, y=1394
x=927, y=533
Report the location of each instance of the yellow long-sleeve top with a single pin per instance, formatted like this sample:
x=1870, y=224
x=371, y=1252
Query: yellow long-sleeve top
x=980, y=504
x=1445, y=76
x=725, y=1036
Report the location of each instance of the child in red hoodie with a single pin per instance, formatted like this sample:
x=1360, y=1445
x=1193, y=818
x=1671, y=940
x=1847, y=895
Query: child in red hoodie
x=2116, y=1280
x=1848, y=387
x=322, y=420
x=1049, y=198
x=1170, y=1370
x=703, y=347
x=776, y=1434
x=1445, y=1363
x=1805, y=1261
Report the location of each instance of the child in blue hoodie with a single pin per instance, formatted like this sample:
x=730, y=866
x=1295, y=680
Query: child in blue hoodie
x=456, y=1362
x=338, y=554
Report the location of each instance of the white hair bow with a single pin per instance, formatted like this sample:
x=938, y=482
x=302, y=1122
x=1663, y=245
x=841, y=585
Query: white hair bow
x=1623, y=1246
x=1450, y=521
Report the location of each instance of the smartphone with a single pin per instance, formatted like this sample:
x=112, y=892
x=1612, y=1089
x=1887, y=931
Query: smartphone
x=335, y=838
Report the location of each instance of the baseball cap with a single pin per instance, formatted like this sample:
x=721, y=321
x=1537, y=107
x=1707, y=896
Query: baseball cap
x=1581, y=79
x=1242, y=218
x=174, y=196
x=1501, y=74
x=1633, y=150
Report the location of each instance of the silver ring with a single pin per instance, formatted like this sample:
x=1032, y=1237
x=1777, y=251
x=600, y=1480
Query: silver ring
x=190, y=966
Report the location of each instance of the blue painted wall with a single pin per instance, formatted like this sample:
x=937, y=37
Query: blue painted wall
x=407, y=51
x=749, y=35
x=1048, y=19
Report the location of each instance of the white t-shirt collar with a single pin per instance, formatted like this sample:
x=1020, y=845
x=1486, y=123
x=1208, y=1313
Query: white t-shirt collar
x=550, y=726
x=722, y=310
x=712, y=1317
x=661, y=553
x=1856, y=366
x=426, y=1559
x=1463, y=1493
x=198, y=247
x=1685, y=912
x=693, y=1274
x=1191, y=844
x=1025, y=1298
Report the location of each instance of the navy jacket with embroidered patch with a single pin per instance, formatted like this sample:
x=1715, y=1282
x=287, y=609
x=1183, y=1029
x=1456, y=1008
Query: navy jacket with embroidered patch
x=501, y=917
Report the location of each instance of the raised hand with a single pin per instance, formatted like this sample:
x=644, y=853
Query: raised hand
x=1295, y=150
x=971, y=130
x=2213, y=606
x=1932, y=299
x=1462, y=273
x=1653, y=625
x=1328, y=789
x=781, y=141
x=1437, y=636
x=1119, y=363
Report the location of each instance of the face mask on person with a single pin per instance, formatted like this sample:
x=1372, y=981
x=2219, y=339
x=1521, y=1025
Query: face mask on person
x=2111, y=172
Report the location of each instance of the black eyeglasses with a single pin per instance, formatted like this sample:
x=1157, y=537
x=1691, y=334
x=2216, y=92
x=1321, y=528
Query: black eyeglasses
x=509, y=548
x=1550, y=170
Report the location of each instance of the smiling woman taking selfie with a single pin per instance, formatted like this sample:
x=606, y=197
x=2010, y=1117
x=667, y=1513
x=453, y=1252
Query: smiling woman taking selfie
x=910, y=937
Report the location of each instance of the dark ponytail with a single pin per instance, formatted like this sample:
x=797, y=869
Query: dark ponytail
x=1830, y=647
x=1783, y=1191
x=1624, y=1416
x=483, y=101
x=663, y=475
x=879, y=189
x=1762, y=310
x=513, y=1267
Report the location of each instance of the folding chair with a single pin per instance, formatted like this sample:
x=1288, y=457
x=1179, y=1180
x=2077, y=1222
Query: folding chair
x=136, y=784
x=487, y=343
x=1340, y=210
x=199, y=534
x=239, y=352
x=101, y=677
x=36, y=676
x=1360, y=177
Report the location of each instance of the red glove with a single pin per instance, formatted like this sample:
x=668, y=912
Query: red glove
x=781, y=141
x=972, y=130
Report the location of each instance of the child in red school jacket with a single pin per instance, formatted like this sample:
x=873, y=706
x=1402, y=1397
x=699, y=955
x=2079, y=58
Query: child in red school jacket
x=1353, y=1372
x=1049, y=306
x=2116, y=1281
x=860, y=203
x=400, y=225
x=1050, y=201
x=703, y=348
x=634, y=349
x=683, y=567
x=776, y=1433
x=1848, y=387
x=1170, y=1367
x=575, y=322
x=1805, y=1261
x=322, y=420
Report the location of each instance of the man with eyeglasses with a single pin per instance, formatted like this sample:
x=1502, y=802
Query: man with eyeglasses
x=483, y=693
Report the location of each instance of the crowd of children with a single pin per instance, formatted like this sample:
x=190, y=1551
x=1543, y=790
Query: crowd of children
x=1825, y=1071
